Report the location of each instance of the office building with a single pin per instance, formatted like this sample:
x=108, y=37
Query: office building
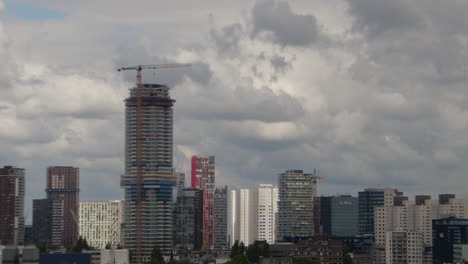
x=11, y=205
x=48, y=222
x=339, y=215
x=101, y=223
x=221, y=218
x=295, y=206
x=188, y=233
x=63, y=185
x=446, y=233
x=253, y=214
x=152, y=223
x=203, y=178
x=368, y=200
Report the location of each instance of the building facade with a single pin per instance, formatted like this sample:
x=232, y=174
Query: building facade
x=188, y=233
x=253, y=214
x=339, y=215
x=267, y=209
x=101, y=223
x=415, y=217
x=48, y=222
x=63, y=185
x=404, y=247
x=370, y=199
x=221, y=218
x=318, y=249
x=11, y=205
x=446, y=233
x=295, y=205
x=180, y=176
x=203, y=178
x=158, y=178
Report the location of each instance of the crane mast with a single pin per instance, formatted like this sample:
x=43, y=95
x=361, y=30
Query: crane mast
x=138, y=154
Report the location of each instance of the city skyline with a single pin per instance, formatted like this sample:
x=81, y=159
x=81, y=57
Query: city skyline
x=292, y=102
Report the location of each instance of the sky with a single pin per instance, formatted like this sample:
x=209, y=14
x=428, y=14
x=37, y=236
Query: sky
x=372, y=93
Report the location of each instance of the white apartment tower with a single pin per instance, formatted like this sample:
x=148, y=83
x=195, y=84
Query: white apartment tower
x=253, y=214
x=410, y=225
x=267, y=208
x=101, y=222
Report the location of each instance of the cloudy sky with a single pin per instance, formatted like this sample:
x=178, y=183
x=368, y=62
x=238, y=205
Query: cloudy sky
x=370, y=92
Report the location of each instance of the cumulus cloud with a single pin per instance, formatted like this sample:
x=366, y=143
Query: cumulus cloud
x=382, y=103
x=276, y=20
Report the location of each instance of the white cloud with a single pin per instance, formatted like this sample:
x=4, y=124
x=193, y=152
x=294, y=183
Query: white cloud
x=378, y=102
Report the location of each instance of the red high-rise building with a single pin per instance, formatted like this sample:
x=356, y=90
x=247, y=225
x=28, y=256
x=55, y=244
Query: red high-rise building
x=11, y=205
x=203, y=178
x=63, y=184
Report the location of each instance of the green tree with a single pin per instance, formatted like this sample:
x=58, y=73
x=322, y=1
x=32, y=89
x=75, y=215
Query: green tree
x=256, y=250
x=108, y=245
x=241, y=248
x=79, y=245
x=347, y=259
x=156, y=257
x=240, y=259
x=237, y=249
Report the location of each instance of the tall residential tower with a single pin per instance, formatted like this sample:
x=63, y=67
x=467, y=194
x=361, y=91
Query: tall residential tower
x=11, y=205
x=155, y=211
x=296, y=204
x=203, y=178
x=63, y=185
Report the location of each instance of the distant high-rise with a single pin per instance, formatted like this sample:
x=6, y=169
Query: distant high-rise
x=368, y=200
x=253, y=214
x=447, y=233
x=339, y=215
x=444, y=198
x=63, y=184
x=11, y=205
x=295, y=206
x=203, y=178
x=220, y=218
x=267, y=209
x=180, y=176
x=188, y=219
x=48, y=222
x=158, y=178
x=101, y=222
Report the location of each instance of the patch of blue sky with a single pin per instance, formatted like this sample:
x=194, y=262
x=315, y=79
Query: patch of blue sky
x=31, y=12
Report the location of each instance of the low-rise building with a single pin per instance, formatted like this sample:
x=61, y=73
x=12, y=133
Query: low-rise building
x=320, y=248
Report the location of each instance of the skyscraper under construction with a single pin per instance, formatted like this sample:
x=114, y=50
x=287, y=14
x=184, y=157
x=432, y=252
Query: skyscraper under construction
x=157, y=177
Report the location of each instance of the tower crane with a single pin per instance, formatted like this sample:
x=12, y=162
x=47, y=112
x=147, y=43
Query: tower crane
x=139, y=140
x=315, y=177
x=206, y=244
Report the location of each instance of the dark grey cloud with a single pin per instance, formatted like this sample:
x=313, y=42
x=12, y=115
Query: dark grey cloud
x=380, y=16
x=278, y=21
x=387, y=106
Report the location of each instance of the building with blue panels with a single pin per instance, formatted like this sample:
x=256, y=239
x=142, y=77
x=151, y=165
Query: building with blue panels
x=339, y=215
x=158, y=177
x=446, y=233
